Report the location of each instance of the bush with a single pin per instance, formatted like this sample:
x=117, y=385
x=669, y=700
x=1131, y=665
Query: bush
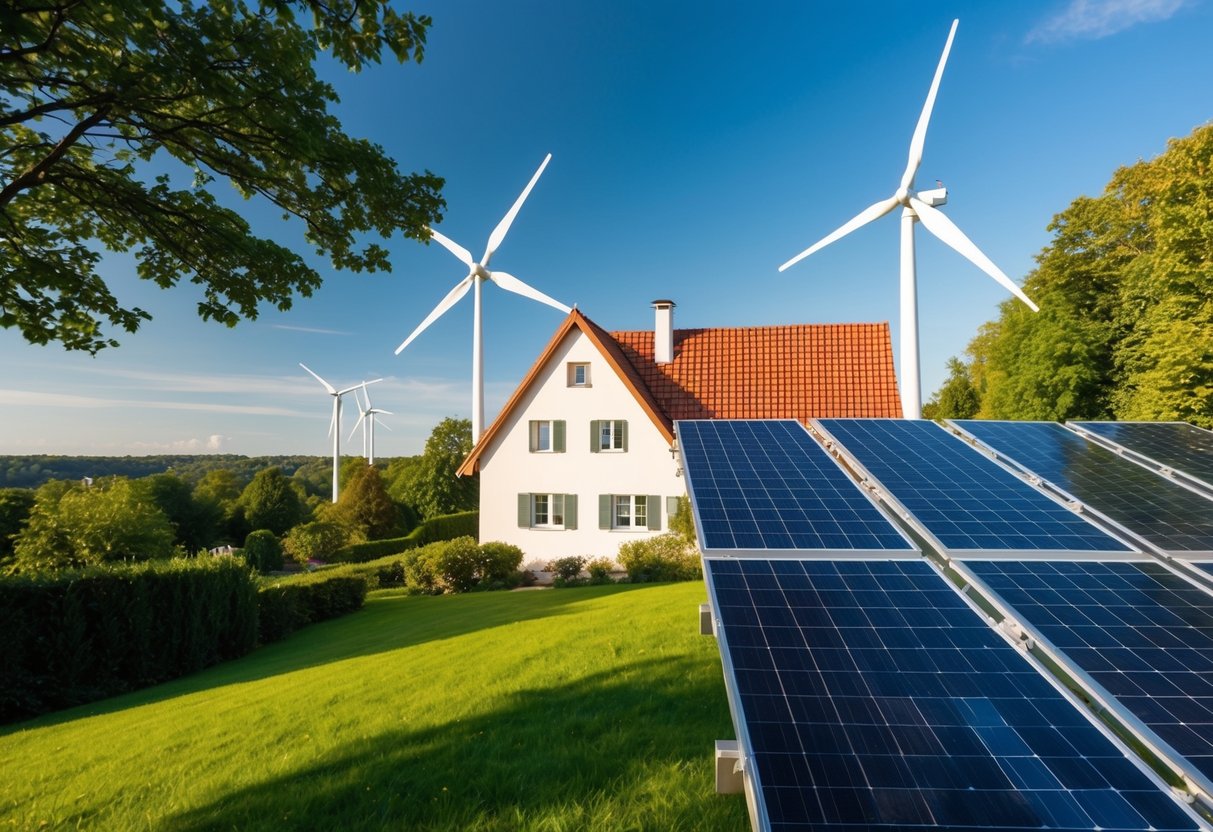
x=75, y=637
x=263, y=551
x=315, y=540
x=284, y=607
x=446, y=527
x=600, y=570
x=566, y=569
x=666, y=557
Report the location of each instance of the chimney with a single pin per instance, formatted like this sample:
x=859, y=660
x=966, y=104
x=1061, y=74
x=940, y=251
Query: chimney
x=663, y=332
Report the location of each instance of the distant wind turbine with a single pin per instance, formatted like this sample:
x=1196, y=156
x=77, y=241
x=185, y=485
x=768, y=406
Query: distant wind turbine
x=335, y=423
x=366, y=420
x=477, y=274
x=918, y=206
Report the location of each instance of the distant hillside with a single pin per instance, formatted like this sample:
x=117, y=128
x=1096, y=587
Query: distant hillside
x=32, y=471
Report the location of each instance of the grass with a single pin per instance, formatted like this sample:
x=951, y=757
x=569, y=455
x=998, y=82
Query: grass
x=581, y=709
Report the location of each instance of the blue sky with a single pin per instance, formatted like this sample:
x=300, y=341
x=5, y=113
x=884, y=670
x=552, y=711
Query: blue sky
x=696, y=146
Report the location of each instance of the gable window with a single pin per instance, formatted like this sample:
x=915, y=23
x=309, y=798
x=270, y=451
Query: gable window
x=629, y=512
x=608, y=435
x=547, y=436
x=579, y=374
x=547, y=511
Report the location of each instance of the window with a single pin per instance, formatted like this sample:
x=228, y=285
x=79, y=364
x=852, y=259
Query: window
x=608, y=435
x=579, y=374
x=629, y=512
x=547, y=511
x=547, y=436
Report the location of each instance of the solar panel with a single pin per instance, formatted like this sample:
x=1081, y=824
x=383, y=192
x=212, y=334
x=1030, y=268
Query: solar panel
x=869, y=696
x=1168, y=515
x=1137, y=629
x=1185, y=449
x=966, y=501
x=767, y=486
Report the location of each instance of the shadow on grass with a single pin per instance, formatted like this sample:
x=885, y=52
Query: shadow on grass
x=389, y=621
x=629, y=748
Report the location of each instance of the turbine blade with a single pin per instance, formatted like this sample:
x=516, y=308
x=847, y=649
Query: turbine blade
x=383, y=425
x=867, y=215
x=937, y=223
x=356, y=424
x=513, y=284
x=920, y=132
x=327, y=386
x=452, y=297
x=354, y=387
x=502, y=227
x=454, y=248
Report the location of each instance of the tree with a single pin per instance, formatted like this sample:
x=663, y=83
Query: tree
x=194, y=523
x=269, y=502
x=364, y=505
x=956, y=399
x=432, y=487
x=89, y=526
x=99, y=97
x=262, y=551
x=15, y=507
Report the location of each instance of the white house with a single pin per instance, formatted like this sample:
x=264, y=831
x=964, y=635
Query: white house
x=580, y=458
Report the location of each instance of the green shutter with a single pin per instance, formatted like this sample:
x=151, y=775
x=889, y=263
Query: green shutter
x=653, y=510
x=570, y=511
x=530, y=435
x=594, y=429
x=558, y=436
x=671, y=506
x=623, y=428
x=524, y=511
x=604, y=511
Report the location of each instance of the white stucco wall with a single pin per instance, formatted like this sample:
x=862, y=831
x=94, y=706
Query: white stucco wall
x=508, y=467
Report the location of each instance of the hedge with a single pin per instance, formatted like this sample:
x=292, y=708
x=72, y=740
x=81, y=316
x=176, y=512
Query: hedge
x=285, y=606
x=445, y=527
x=74, y=637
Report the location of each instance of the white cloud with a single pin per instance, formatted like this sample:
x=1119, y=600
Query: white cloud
x=31, y=398
x=1094, y=19
x=213, y=444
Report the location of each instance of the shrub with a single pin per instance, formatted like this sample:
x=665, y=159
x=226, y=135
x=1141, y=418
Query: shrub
x=284, y=607
x=600, y=570
x=666, y=557
x=263, y=551
x=446, y=527
x=315, y=540
x=74, y=637
x=566, y=571
x=499, y=563
x=683, y=521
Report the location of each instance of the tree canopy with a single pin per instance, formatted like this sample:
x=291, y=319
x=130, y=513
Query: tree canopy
x=116, y=116
x=431, y=486
x=1125, y=328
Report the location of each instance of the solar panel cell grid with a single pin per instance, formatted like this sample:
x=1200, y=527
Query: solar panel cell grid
x=874, y=698
x=1168, y=515
x=1177, y=445
x=968, y=502
x=759, y=486
x=1140, y=631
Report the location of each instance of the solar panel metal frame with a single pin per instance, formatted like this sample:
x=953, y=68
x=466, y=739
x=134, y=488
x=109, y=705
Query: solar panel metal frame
x=1101, y=519
x=883, y=494
x=756, y=805
x=912, y=549
x=1141, y=458
x=1142, y=732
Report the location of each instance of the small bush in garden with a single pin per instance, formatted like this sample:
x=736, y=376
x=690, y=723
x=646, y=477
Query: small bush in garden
x=499, y=563
x=600, y=571
x=391, y=575
x=262, y=551
x=566, y=571
x=666, y=557
x=315, y=540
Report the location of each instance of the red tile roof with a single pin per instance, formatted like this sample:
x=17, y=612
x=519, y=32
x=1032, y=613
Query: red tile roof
x=802, y=371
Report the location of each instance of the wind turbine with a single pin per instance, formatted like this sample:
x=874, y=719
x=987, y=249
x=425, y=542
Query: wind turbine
x=477, y=274
x=920, y=206
x=367, y=420
x=335, y=424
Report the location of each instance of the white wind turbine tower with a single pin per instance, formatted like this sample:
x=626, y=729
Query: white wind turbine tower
x=367, y=420
x=477, y=274
x=918, y=206
x=335, y=424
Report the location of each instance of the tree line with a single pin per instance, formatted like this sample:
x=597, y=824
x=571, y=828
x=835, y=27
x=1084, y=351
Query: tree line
x=1125, y=288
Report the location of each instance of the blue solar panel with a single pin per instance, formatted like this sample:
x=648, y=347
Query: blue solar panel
x=966, y=501
x=869, y=696
x=767, y=486
x=1184, y=448
x=1168, y=515
x=1139, y=630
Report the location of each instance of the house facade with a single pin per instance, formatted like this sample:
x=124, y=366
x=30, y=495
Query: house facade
x=580, y=459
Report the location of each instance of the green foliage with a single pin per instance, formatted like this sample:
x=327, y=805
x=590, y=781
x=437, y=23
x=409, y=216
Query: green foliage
x=451, y=566
x=364, y=505
x=88, y=526
x=446, y=527
x=315, y=541
x=957, y=398
x=102, y=97
x=78, y=636
x=195, y=523
x=567, y=569
x=15, y=507
x=432, y=487
x=284, y=607
x=682, y=522
x=600, y=570
x=1125, y=288
x=269, y=502
x=262, y=551
x=665, y=557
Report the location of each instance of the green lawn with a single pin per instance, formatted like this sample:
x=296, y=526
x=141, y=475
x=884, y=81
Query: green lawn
x=592, y=708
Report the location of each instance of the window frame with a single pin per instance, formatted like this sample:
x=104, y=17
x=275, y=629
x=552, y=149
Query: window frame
x=551, y=501
x=635, y=505
x=573, y=367
x=555, y=436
